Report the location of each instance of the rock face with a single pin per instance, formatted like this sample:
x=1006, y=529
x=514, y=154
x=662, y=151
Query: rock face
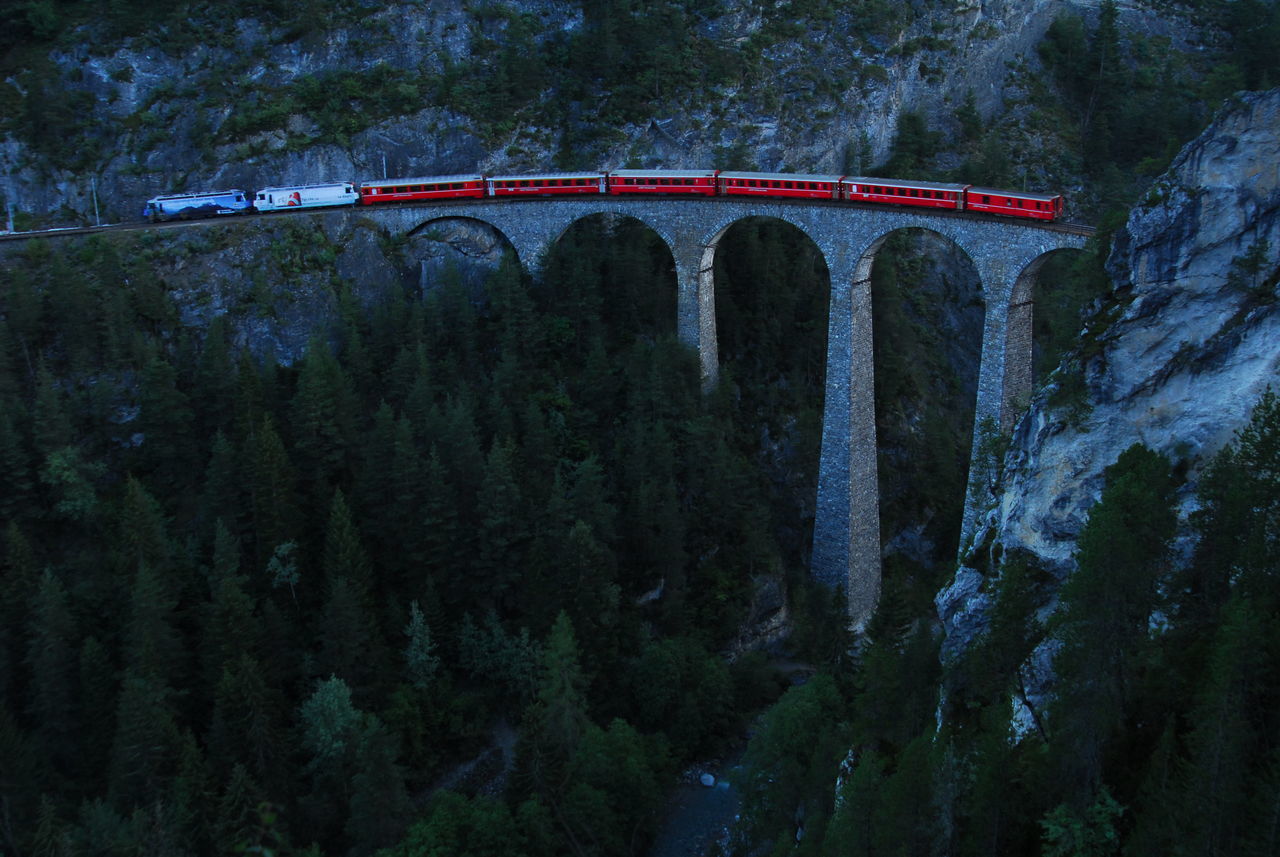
x=160, y=117
x=1193, y=340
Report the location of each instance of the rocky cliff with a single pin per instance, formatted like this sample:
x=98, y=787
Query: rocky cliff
x=396, y=86
x=1175, y=358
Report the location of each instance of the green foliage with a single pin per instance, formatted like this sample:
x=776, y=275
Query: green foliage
x=914, y=146
x=1107, y=606
x=798, y=745
x=1068, y=833
x=456, y=826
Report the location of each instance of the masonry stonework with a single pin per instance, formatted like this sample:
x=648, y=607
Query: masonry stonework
x=846, y=543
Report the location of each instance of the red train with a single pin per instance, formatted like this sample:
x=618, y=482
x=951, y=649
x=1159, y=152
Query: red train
x=955, y=197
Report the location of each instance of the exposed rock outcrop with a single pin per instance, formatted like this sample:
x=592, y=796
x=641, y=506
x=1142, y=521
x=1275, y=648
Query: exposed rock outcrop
x=160, y=115
x=1193, y=340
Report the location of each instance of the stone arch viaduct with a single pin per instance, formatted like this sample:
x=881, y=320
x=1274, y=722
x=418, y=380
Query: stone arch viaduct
x=1007, y=256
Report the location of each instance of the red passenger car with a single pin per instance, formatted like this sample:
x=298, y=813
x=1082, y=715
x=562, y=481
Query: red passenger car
x=557, y=184
x=779, y=185
x=689, y=182
x=1040, y=206
x=898, y=192
x=429, y=188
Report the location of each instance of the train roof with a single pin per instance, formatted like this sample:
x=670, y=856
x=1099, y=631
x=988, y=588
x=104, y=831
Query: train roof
x=1016, y=194
x=202, y=194
x=952, y=186
x=532, y=176
x=422, y=180
x=303, y=186
x=667, y=174
x=789, y=177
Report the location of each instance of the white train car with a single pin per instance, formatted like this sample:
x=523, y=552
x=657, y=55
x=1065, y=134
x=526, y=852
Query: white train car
x=306, y=196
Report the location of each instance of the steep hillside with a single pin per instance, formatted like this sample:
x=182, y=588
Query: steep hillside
x=1175, y=359
x=148, y=100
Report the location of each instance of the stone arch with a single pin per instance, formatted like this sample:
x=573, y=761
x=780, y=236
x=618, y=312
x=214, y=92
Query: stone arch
x=470, y=246
x=560, y=227
x=615, y=217
x=710, y=251
x=426, y=225
x=1019, y=369
x=909, y=409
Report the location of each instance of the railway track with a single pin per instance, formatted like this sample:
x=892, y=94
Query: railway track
x=142, y=225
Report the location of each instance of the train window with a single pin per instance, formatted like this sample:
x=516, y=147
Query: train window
x=986, y=200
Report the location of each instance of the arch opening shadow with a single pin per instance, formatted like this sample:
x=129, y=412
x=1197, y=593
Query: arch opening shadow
x=772, y=302
x=928, y=316
x=1045, y=313
x=455, y=249
x=615, y=268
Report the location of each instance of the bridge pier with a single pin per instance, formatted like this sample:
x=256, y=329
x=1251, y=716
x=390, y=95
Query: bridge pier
x=696, y=305
x=1007, y=254
x=846, y=528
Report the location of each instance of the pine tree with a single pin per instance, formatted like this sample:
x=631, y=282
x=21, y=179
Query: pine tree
x=16, y=476
x=97, y=697
x=215, y=380
x=221, y=497
x=22, y=772
x=247, y=726
x=421, y=662
x=272, y=490
x=559, y=717
x=52, y=660
x=144, y=748
x=143, y=530
x=379, y=808
x=349, y=629
x=236, y=824
x=230, y=628
x=19, y=581
x=323, y=411
x=165, y=421
x=51, y=427
x=152, y=646
x=1106, y=609
x=502, y=534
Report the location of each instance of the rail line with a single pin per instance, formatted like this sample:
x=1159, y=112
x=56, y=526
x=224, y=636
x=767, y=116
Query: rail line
x=244, y=219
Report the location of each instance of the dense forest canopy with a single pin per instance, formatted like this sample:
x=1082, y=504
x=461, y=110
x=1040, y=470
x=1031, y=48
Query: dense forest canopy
x=465, y=578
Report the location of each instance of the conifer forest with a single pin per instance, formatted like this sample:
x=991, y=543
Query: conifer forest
x=486, y=571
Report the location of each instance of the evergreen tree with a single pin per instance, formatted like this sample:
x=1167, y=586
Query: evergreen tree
x=97, y=698
x=1106, y=609
x=143, y=751
x=19, y=581
x=502, y=535
x=558, y=720
x=51, y=426
x=323, y=419
x=52, y=659
x=165, y=422
x=221, y=497
x=235, y=827
x=247, y=726
x=272, y=491
x=16, y=476
x=421, y=662
x=152, y=646
x=215, y=379
x=379, y=809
